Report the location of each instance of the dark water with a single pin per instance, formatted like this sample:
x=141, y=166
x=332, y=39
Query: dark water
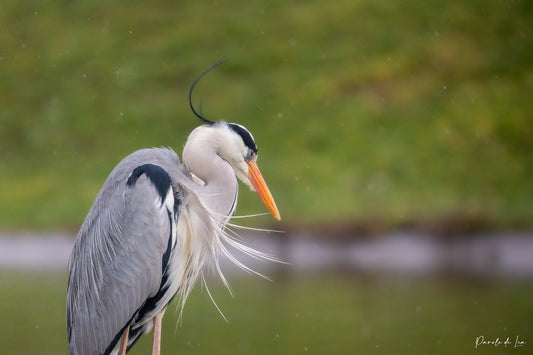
x=403, y=295
x=321, y=313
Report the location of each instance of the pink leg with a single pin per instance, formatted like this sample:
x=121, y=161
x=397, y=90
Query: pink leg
x=156, y=344
x=124, y=341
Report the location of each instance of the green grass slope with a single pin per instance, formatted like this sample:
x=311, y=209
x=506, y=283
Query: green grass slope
x=400, y=111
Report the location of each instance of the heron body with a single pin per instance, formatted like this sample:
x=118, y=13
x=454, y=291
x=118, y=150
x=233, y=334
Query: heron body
x=153, y=226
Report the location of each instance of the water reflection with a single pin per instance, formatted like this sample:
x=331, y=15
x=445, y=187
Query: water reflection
x=496, y=254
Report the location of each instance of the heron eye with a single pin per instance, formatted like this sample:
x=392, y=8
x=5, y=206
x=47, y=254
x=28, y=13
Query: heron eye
x=250, y=155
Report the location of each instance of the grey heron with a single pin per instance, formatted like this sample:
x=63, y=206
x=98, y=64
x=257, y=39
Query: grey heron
x=152, y=227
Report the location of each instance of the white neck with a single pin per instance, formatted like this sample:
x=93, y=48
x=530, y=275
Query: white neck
x=200, y=155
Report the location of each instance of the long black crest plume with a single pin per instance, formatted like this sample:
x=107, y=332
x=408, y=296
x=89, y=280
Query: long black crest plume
x=194, y=84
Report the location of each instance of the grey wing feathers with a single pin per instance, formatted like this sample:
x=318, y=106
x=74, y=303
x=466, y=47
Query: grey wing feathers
x=116, y=263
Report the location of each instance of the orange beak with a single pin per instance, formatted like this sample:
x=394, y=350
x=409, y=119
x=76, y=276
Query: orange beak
x=261, y=188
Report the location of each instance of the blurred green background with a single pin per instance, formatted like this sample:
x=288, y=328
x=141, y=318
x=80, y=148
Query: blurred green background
x=305, y=315
x=400, y=112
x=366, y=112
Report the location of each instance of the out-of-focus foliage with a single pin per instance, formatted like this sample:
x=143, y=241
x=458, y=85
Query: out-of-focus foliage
x=361, y=109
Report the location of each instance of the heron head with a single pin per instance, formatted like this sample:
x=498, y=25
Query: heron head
x=238, y=148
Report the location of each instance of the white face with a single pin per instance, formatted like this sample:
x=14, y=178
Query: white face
x=235, y=152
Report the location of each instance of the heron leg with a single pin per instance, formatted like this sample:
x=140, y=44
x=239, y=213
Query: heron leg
x=156, y=343
x=124, y=341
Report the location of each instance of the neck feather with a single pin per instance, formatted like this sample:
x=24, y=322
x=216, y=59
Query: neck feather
x=219, y=191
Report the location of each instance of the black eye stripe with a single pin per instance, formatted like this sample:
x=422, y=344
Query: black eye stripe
x=245, y=135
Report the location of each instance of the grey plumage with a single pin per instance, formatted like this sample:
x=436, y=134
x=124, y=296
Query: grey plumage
x=128, y=236
x=151, y=229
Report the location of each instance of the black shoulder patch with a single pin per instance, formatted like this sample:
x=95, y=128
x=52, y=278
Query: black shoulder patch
x=157, y=175
x=245, y=135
